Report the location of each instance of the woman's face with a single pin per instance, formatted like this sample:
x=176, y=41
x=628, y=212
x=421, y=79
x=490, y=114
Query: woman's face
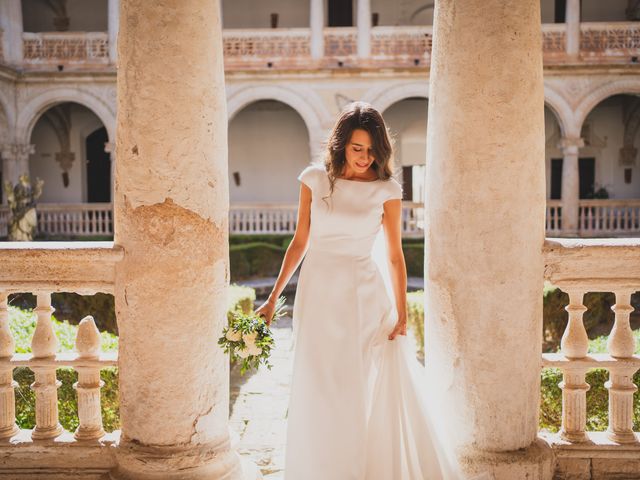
x=358, y=152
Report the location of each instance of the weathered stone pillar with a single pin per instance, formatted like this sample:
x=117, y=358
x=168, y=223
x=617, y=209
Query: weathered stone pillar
x=316, y=22
x=363, y=22
x=11, y=25
x=570, y=185
x=114, y=20
x=572, y=21
x=171, y=217
x=15, y=160
x=484, y=232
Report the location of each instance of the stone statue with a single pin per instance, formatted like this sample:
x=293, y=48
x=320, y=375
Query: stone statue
x=22, y=205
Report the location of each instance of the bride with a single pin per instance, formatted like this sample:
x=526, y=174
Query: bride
x=360, y=406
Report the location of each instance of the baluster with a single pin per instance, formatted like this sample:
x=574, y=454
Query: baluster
x=625, y=219
x=89, y=382
x=574, y=345
x=44, y=345
x=621, y=344
x=8, y=427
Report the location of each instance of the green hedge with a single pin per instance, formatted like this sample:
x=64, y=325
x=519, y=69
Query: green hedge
x=22, y=324
x=255, y=256
x=597, y=395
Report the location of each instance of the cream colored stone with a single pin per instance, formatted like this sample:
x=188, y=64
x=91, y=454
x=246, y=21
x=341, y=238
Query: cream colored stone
x=485, y=226
x=171, y=211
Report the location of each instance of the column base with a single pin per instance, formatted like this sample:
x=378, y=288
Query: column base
x=191, y=462
x=536, y=462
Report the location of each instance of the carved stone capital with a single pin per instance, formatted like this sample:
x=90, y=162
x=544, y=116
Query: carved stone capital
x=571, y=145
x=17, y=151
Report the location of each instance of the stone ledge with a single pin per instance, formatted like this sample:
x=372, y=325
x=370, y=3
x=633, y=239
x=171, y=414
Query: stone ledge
x=80, y=267
x=20, y=456
x=597, y=459
x=578, y=262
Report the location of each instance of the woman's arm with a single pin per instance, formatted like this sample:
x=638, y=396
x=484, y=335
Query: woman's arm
x=392, y=223
x=298, y=246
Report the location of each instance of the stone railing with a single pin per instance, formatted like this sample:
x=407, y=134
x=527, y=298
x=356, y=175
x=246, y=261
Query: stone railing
x=597, y=218
x=282, y=219
x=609, y=40
x=578, y=267
x=554, y=43
x=263, y=218
x=54, y=48
x=82, y=219
x=265, y=48
x=43, y=268
x=609, y=217
x=553, y=219
x=282, y=48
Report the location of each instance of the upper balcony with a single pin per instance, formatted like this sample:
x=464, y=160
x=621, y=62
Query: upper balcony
x=397, y=47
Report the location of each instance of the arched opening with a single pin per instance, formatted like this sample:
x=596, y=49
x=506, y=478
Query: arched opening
x=608, y=162
x=69, y=155
x=553, y=155
x=407, y=123
x=98, y=172
x=268, y=146
x=72, y=15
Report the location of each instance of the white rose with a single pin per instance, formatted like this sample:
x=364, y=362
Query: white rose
x=254, y=350
x=233, y=335
x=250, y=338
x=243, y=352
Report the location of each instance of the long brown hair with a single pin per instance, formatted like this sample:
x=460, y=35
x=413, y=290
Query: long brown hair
x=358, y=115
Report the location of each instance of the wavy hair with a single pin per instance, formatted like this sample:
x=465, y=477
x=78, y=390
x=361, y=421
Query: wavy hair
x=358, y=115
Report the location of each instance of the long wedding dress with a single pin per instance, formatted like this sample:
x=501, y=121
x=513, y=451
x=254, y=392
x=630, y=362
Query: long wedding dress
x=359, y=406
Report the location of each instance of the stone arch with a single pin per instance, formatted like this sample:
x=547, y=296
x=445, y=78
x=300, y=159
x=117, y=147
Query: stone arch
x=304, y=106
x=34, y=109
x=562, y=111
x=383, y=97
x=593, y=99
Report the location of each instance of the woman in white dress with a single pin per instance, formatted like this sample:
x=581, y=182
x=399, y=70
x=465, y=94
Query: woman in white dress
x=358, y=408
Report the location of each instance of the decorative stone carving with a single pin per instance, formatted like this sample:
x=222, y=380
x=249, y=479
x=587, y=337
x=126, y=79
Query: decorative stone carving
x=89, y=383
x=43, y=345
x=22, y=204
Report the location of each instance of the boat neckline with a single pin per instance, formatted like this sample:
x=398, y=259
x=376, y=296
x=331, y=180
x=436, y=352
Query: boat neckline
x=358, y=181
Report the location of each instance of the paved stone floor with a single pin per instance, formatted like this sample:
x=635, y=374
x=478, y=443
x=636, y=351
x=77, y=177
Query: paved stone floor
x=258, y=406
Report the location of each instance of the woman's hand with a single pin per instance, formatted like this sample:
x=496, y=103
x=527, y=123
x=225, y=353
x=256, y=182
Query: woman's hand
x=400, y=327
x=266, y=310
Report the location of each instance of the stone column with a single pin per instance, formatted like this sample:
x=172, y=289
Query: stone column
x=171, y=218
x=15, y=160
x=484, y=232
x=364, y=28
x=570, y=185
x=114, y=20
x=316, y=22
x=572, y=20
x=11, y=25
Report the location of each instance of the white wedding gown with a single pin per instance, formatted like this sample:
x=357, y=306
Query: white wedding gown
x=359, y=407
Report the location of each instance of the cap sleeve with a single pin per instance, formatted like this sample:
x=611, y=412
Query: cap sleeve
x=393, y=190
x=309, y=176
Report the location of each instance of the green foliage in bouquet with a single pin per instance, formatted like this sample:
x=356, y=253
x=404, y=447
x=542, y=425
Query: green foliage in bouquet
x=248, y=338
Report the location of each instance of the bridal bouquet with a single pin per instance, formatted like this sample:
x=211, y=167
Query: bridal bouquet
x=248, y=337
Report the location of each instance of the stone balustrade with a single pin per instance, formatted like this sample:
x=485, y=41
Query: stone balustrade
x=597, y=218
x=41, y=269
x=609, y=217
x=54, y=48
x=578, y=267
x=284, y=48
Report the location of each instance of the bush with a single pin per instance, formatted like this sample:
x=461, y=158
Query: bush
x=597, y=395
x=598, y=319
x=415, y=318
x=22, y=324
